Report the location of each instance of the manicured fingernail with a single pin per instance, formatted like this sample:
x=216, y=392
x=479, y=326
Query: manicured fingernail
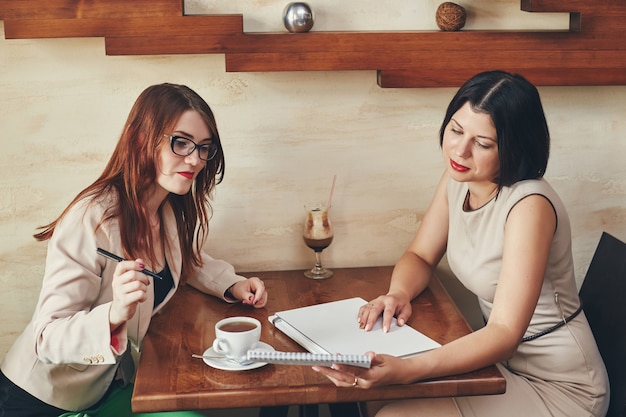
x=142, y=266
x=250, y=298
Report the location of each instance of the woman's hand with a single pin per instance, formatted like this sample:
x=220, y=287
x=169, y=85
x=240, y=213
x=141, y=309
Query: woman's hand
x=251, y=291
x=385, y=370
x=389, y=306
x=129, y=289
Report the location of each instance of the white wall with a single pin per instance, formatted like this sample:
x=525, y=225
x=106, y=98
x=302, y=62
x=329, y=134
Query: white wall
x=63, y=103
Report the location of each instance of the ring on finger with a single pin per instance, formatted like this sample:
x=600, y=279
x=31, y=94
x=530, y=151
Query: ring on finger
x=356, y=382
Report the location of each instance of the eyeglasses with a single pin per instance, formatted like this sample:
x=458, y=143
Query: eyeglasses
x=182, y=146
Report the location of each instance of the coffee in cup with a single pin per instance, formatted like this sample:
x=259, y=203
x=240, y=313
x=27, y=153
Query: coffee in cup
x=234, y=336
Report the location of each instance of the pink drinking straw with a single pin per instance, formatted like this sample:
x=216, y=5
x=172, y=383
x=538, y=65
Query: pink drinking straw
x=332, y=189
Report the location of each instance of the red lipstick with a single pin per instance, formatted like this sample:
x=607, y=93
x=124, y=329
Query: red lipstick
x=186, y=174
x=458, y=167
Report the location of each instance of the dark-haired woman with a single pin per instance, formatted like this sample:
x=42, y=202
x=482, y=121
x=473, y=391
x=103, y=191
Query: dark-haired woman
x=507, y=238
x=150, y=206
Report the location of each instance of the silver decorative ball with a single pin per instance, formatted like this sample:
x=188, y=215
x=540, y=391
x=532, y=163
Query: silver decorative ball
x=298, y=17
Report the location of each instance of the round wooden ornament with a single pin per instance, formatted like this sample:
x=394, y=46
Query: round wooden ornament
x=450, y=16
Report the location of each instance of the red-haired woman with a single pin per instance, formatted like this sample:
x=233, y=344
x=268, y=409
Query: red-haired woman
x=151, y=205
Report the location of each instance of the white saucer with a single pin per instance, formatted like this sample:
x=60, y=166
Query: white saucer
x=226, y=365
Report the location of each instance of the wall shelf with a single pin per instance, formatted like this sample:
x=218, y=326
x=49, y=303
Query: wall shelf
x=591, y=52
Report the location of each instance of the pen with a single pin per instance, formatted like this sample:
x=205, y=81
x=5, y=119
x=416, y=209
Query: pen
x=114, y=257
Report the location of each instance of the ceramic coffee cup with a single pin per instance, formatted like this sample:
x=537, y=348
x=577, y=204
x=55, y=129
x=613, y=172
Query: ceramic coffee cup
x=234, y=336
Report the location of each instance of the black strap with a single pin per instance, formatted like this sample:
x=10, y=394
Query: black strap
x=556, y=326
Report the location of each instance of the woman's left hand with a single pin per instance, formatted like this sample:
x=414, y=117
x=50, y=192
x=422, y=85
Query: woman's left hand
x=384, y=371
x=251, y=291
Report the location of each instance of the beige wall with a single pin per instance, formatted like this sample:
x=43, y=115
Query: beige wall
x=63, y=103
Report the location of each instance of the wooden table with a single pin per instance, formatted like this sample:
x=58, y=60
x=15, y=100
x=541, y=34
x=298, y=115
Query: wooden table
x=169, y=379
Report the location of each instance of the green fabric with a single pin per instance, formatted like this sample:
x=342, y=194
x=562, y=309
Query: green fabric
x=117, y=404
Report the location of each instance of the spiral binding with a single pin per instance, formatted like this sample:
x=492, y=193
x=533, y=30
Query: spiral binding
x=307, y=358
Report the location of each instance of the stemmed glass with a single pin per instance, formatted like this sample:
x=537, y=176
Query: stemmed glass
x=318, y=234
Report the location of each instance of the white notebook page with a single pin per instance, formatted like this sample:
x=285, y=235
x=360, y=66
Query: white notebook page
x=333, y=328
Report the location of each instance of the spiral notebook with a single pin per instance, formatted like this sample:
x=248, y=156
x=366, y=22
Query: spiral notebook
x=307, y=358
x=332, y=328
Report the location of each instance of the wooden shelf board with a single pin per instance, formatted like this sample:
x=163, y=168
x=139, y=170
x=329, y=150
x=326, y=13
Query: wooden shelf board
x=427, y=78
x=158, y=26
x=330, y=61
x=72, y=9
x=564, y=6
x=339, y=43
x=170, y=45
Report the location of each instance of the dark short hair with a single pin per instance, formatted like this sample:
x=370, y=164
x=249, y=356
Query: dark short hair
x=517, y=114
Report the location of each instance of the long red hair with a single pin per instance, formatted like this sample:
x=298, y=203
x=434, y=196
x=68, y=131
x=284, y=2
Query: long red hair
x=131, y=173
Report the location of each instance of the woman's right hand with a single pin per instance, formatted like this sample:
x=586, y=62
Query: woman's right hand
x=390, y=306
x=130, y=286
x=385, y=370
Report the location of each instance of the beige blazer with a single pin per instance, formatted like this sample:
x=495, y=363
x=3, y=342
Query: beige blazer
x=64, y=356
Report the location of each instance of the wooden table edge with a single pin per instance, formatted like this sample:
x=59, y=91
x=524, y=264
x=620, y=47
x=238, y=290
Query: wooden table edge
x=261, y=397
